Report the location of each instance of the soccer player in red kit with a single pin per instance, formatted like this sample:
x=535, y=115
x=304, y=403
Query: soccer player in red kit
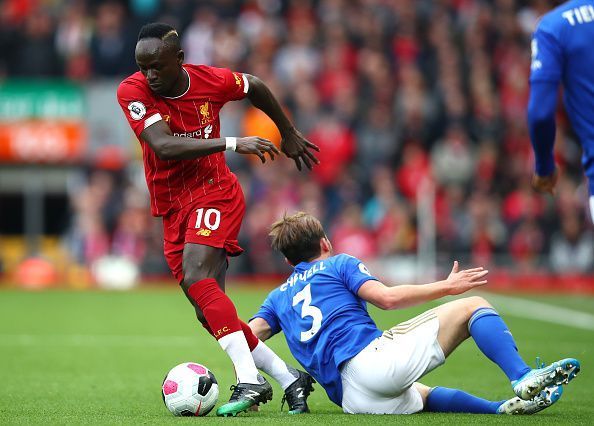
x=173, y=108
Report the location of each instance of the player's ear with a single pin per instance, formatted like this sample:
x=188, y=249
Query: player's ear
x=325, y=245
x=180, y=57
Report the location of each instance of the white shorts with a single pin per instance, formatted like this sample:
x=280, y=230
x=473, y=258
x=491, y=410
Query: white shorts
x=378, y=380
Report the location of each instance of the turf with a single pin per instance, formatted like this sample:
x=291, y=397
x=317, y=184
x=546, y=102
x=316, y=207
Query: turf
x=100, y=357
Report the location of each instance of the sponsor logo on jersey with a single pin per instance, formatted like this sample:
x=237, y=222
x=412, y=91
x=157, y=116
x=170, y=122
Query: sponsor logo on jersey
x=204, y=232
x=237, y=79
x=137, y=110
x=198, y=134
x=167, y=118
x=205, y=113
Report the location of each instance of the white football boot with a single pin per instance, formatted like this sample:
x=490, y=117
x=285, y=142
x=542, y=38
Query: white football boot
x=546, y=398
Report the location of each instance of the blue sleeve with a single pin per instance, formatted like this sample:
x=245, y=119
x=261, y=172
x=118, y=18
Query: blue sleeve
x=353, y=272
x=547, y=54
x=268, y=313
x=545, y=74
x=541, y=125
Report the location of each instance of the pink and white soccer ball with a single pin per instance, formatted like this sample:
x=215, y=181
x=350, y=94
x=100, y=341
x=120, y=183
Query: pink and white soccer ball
x=190, y=389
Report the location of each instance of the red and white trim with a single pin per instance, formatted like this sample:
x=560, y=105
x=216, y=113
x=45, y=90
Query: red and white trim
x=152, y=120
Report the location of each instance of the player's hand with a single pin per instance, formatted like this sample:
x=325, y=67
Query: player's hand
x=256, y=146
x=296, y=147
x=467, y=279
x=545, y=183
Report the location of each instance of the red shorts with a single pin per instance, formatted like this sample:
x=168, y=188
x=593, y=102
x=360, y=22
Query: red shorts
x=212, y=220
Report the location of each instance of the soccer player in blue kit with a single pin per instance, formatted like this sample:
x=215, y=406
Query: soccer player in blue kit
x=562, y=52
x=321, y=309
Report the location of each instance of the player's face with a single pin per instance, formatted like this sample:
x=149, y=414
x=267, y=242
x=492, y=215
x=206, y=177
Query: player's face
x=160, y=64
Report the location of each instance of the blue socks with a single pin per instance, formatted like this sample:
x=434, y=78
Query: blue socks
x=497, y=343
x=445, y=400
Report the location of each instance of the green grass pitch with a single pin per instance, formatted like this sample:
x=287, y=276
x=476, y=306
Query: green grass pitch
x=99, y=357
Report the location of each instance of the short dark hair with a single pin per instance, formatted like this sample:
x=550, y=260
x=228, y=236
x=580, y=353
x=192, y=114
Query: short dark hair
x=164, y=32
x=298, y=237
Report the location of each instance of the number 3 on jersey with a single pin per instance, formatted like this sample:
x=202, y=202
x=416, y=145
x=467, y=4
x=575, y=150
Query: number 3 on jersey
x=308, y=310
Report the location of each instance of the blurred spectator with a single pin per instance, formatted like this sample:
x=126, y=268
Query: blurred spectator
x=198, y=38
x=297, y=60
x=376, y=142
x=415, y=169
x=526, y=245
x=112, y=47
x=35, y=53
x=337, y=148
x=452, y=158
x=349, y=235
x=572, y=249
x=73, y=35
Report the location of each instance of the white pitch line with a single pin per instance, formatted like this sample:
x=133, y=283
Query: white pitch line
x=92, y=340
x=539, y=311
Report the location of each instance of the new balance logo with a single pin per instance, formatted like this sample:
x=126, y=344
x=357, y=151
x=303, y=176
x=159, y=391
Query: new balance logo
x=300, y=394
x=252, y=394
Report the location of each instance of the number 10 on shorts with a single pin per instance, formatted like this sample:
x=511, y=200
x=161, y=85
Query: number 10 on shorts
x=211, y=217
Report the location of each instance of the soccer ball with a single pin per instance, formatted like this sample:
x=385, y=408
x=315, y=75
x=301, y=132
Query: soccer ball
x=190, y=389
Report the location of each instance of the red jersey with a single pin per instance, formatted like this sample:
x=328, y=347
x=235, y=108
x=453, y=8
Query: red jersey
x=194, y=114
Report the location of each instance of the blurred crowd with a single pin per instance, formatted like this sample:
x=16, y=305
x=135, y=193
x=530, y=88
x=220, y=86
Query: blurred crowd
x=405, y=98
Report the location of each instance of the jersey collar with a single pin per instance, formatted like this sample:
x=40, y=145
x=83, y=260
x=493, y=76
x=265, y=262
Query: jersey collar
x=187, y=90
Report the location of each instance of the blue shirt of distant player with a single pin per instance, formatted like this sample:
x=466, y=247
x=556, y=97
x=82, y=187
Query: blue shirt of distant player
x=324, y=321
x=563, y=51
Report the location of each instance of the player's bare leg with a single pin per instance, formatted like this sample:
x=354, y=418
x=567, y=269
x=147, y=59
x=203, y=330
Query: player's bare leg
x=453, y=321
x=201, y=265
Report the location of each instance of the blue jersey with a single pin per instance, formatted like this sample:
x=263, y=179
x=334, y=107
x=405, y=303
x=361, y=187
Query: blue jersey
x=562, y=52
x=324, y=321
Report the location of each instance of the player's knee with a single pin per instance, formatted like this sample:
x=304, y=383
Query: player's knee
x=191, y=278
x=197, y=272
x=473, y=303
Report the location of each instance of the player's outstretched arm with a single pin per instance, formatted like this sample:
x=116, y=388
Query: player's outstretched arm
x=403, y=296
x=260, y=328
x=170, y=147
x=293, y=144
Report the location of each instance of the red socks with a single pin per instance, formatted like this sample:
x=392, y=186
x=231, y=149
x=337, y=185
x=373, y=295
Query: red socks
x=251, y=338
x=218, y=309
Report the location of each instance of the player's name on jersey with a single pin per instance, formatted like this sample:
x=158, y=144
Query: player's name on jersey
x=579, y=15
x=303, y=275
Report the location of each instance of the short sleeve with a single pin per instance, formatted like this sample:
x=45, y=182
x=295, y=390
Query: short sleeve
x=353, y=272
x=235, y=84
x=138, y=106
x=547, y=56
x=268, y=314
